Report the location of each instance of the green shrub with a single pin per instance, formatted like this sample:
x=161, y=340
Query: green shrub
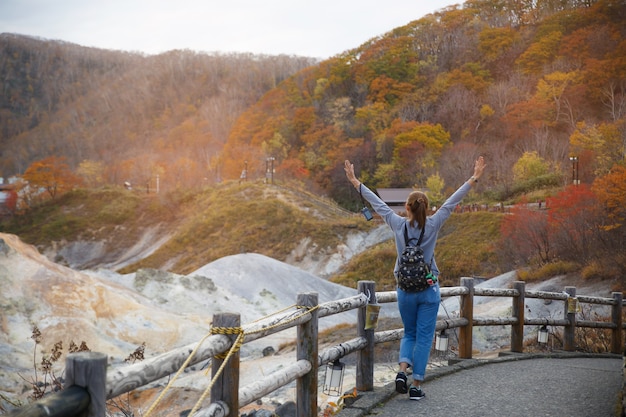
x=63, y=226
x=117, y=211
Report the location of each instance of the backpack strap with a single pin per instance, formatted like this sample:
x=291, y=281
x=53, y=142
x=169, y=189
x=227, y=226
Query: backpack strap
x=406, y=235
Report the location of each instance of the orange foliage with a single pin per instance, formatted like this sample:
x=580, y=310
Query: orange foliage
x=52, y=174
x=611, y=191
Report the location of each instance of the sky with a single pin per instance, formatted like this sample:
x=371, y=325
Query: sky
x=314, y=28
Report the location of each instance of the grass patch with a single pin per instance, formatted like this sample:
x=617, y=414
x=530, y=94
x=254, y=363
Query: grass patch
x=230, y=219
x=375, y=264
x=547, y=271
x=467, y=246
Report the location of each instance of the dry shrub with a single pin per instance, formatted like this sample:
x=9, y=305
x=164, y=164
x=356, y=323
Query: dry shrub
x=547, y=271
x=600, y=271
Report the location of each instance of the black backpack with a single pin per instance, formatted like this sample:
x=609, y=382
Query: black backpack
x=414, y=273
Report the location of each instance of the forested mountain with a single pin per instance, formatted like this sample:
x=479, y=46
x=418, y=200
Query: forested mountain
x=522, y=82
x=526, y=83
x=132, y=114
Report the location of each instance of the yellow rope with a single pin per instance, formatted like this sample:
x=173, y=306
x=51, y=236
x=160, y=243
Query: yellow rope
x=184, y=365
x=234, y=348
x=238, y=342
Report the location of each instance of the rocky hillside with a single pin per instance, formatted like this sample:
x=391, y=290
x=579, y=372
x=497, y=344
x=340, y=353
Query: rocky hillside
x=116, y=313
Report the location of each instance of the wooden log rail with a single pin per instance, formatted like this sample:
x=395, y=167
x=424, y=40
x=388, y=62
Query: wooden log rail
x=88, y=385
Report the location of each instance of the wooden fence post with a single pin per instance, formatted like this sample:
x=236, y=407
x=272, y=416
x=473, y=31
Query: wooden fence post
x=89, y=370
x=307, y=348
x=365, y=356
x=226, y=386
x=617, y=344
x=517, y=330
x=569, y=330
x=466, y=311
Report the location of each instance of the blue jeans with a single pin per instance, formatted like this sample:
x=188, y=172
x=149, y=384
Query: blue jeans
x=419, y=317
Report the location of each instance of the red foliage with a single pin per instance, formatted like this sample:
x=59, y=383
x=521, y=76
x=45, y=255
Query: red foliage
x=573, y=220
x=524, y=235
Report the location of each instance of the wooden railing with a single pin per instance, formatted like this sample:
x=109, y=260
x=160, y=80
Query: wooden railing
x=89, y=385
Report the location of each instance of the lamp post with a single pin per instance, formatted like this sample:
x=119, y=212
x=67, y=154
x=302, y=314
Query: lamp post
x=575, y=179
x=269, y=168
x=244, y=173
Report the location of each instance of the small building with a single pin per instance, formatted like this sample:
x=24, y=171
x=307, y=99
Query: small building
x=8, y=198
x=395, y=197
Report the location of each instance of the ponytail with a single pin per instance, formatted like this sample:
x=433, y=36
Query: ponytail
x=417, y=203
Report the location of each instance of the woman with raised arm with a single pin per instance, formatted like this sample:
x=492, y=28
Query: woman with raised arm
x=418, y=310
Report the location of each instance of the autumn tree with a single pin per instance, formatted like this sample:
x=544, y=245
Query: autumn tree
x=529, y=166
x=611, y=192
x=604, y=142
x=525, y=238
x=574, y=221
x=52, y=175
x=91, y=172
x=435, y=185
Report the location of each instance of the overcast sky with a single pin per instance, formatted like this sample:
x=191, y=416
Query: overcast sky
x=314, y=28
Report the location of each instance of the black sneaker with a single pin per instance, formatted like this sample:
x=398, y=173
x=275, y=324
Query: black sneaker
x=401, y=386
x=416, y=393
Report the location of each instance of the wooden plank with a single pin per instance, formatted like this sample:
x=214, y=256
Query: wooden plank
x=69, y=402
x=307, y=349
x=495, y=321
x=569, y=344
x=546, y=295
x=339, y=306
x=89, y=370
x=216, y=409
x=546, y=321
x=273, y=381
x=339, y=351
x=517, y=328
x=466, y=311
x=226, y=385
x=617, y=344
x=130, y=377
x=495, y=292
x=365, y=357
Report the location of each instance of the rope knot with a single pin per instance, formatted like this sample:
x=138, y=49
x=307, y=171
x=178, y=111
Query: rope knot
x=229, y=331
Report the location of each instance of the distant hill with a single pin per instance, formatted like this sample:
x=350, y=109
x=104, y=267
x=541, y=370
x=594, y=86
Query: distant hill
x=126, y=109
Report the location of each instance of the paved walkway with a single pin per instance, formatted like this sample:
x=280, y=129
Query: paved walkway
x=552, y=385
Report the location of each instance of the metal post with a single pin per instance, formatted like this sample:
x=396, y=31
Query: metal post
x=574, y=160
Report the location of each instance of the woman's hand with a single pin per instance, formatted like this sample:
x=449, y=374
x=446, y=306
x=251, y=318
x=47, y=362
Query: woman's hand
x=479, y=167
x=349, y=168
